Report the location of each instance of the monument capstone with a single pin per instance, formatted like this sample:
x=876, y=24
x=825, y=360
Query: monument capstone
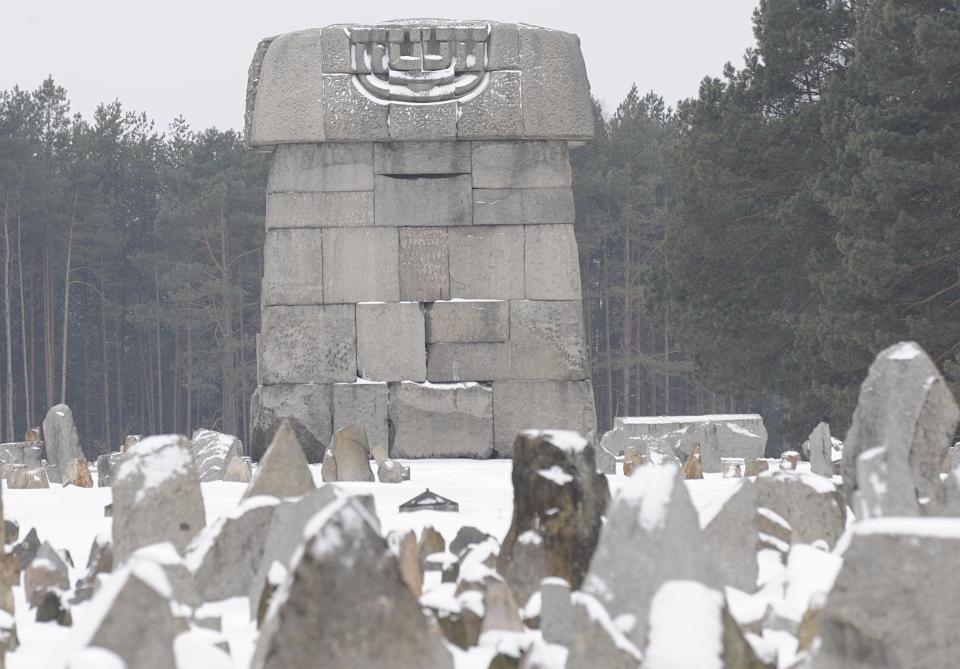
x=421, y=275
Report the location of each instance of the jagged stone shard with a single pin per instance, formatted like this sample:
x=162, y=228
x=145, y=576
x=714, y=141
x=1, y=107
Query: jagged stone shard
x=420, y=236
x=908, y=561
x=345, y=583
x=906, y=408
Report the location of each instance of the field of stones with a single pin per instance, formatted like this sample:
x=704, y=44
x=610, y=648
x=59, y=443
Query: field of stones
x=176, y=553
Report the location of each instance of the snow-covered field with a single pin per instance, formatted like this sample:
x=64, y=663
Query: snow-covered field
x=70, y=517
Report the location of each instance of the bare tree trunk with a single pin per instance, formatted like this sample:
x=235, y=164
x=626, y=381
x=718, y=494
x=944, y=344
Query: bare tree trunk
x=666, y=360
x=175, y=383
x=228, y=359
x=28, y=399
x=119, y=371
x=66, y=301
x=6, y=314
x=244, y=422
x=104, y=365
x=85, y=357
x=48, y=362
x=189, y=378
x=606, y=335
x=626, y=343
x=156, y=286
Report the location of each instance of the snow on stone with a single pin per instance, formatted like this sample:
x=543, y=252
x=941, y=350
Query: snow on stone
x=739, y=429
x=157, y=458
x=196, y=649
x=530, y=537
x=715, y=418
x=933, y=528
x=906, y=351
x=811, y=573
x=598, y=613
x=95, y=657
x=568, y=441
x=556, y=474
x=676, y=609
x=204, y=541
x=652, y=488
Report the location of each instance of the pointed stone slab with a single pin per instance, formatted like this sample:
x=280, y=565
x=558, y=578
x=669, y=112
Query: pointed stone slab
x=283, y=471
x=345, y=601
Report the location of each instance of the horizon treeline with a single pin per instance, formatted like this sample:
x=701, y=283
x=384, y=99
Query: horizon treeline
x=750, y=250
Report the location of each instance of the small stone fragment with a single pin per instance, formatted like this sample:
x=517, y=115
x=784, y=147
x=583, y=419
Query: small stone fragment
x=693, y=469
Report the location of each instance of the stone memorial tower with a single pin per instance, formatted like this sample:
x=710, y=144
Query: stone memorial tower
x=421, y=277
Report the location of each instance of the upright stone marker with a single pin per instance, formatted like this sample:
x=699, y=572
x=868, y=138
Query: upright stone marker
x=420, y=232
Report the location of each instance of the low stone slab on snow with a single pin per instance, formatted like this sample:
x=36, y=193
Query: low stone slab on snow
x=156, y=496
x=225, y=556
x=344, y=601
x=212, y=452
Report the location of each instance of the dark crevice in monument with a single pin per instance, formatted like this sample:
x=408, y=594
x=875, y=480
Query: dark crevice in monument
x=407, y=177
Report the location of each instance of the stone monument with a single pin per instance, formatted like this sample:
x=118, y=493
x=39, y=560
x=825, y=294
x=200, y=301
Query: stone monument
x=421, y=276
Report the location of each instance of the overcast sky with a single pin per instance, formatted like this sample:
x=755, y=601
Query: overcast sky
x=177, y=57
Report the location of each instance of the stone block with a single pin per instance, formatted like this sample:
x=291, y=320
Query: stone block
x=468, y=321
x=547, y=205
x=348, y=114
x=503, y=47
x=391, y=341
x=360, y=265
x=423, y=200
x=495, y=113
x=286, y=91
x=335, y=50
x=418, y=158
x=341, y=209
x=291, y=267
x=546, y=340
x=312, y=168
x=363, y=404
x=533, y=405
x=556, y=94
x=431, y=420
x=452, y=363
x=486, y=262
x=308, y=344
x=521, y=164
x=497, y=206
x=420, y=122
x=308, y=408
x=424, y=264
x=551, y=263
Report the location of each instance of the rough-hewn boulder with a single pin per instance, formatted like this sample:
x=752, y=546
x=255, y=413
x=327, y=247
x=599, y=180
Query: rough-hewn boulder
x=77, y=473
x=730, y=537
x=905, y=407
x=225, y=556
x=652, y=535
x=156, y=496
x=810, y=504
x=344, y=601
x=559, y=500
x=819, y=445
x=106, y=467
x=283, y=470
x=893, y=604
x=212, y=451
x=351, y=454
x=60, y=439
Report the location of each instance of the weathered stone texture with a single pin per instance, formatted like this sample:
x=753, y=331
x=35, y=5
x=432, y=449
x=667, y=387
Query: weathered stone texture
x=308, y=168
x=432, y=420
x=415, y=122
x=546, y=340
x=60, y=439
x=532, y=405
x=486, y=262
x=343, y=209
x=551, y=266
x=423, y=200
x=421, y=158
x=391, y=341
x=528, y=164
x=291, y=267
x=364, y=405
x=350, y=115
x=283, y=470
x=494, y=114
x=424, y=264
x=468, y=322
x=309, y=409
x=452, y=363
x=308, y=344
x=360, y=265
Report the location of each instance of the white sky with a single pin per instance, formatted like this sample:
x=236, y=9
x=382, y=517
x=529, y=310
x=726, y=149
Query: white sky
x=177, y=57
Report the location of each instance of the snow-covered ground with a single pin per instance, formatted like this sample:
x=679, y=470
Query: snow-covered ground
x=69, y=518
